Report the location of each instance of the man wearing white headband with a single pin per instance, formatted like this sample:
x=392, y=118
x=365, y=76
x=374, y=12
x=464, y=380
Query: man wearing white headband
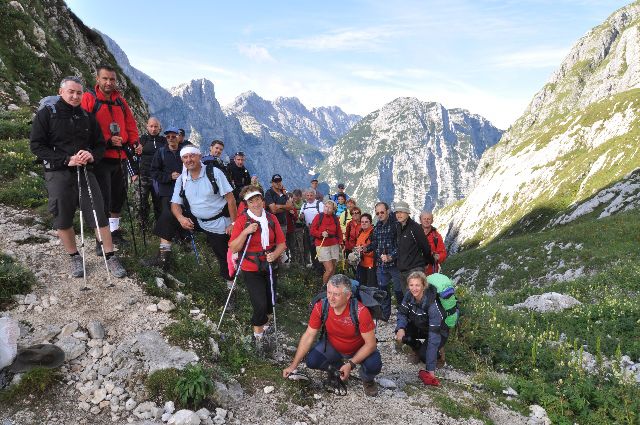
x=202, y=201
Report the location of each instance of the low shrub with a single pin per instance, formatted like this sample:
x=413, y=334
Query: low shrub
x=14, y=279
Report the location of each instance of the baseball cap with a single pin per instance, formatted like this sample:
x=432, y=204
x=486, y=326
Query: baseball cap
x=276, y=178
x=181, y=131
x=172, y=130
x=340, y=185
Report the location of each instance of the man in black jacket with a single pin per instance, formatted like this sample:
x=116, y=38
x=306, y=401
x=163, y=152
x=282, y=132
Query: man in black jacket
x=239, y=174
x=146, y=149
x=413, y=248
x=66, y=139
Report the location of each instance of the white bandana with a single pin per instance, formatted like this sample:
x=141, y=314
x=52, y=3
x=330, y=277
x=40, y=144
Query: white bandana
x=189, y=149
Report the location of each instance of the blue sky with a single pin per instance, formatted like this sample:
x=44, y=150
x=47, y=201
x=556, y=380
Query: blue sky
x=489, y=57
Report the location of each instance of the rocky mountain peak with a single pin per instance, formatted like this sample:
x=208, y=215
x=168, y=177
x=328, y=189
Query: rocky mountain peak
x=201, y=90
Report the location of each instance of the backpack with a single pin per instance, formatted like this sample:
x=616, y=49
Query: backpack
x=372, y=298
x=50, y=102
x=335, y=220
x=217, y=162
x=446, y=298
x=98, y=103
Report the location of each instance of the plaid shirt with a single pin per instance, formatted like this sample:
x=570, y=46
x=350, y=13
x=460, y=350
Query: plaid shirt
x=384, y=241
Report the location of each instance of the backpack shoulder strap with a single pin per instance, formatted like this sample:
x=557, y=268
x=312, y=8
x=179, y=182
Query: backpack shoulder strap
x=353, y=312
x=318, y=205
x=324, y=314
x=211, y=176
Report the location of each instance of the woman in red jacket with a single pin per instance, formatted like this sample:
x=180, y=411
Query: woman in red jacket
x=265, y=247
x=326, y=230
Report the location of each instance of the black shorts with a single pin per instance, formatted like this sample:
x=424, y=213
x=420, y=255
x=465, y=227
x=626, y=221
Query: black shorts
x=113, y=184
x=62, y=187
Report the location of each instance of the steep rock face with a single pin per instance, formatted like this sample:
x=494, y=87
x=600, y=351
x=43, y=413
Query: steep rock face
x=410, y=150
x=35, y=53
x=578, y=135
x=305, y=134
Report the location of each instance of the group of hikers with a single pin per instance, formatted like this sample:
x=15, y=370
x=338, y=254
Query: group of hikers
x=89, y=145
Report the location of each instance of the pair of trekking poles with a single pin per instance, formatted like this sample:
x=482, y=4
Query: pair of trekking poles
x=273, y=292
x=95, y=217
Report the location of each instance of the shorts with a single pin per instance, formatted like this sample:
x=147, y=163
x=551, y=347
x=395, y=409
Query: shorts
x=62, y=187
x=328, y=253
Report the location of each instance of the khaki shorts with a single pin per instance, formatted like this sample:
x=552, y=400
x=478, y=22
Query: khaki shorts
x=328, y=253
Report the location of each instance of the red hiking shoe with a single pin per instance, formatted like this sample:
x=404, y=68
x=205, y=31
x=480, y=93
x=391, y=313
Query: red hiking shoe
x=428, y=379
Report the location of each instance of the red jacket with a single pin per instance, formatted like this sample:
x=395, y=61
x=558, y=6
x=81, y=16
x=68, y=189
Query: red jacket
x=437, y=247
x=331, y=225
x=105, y=116
x=351, y=234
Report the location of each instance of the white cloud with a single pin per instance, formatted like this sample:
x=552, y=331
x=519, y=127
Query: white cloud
x=344, y=39
x=255, y=53
x=539, y=57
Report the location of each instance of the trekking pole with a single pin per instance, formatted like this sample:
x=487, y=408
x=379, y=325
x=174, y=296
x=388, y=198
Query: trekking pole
x=95, y=217
x=273, y=303
x=193, y=245
x=142, y=224
x=84, y=264
x=321, y=243
x=126, y=198
x=233, y=285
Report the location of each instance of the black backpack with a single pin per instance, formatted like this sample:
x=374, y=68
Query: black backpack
x=372, y=298
x=335, y=220
x=217, y=162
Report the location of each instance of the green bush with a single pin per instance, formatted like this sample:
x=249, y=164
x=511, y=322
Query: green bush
x=14, y=279
x=25, y=191
x=15, y=124
x=194, y=386
x=16, y=159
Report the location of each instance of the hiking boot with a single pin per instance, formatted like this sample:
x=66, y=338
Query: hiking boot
x=370, y=388
x=428, y=379
x=76, y=266
x=161, y=260
x=115, y=267
x=98, y=248
x=259, y=344
x=117, y=237
x=413, y=357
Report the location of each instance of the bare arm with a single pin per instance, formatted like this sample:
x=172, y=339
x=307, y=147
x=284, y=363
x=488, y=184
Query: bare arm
x=306, y=341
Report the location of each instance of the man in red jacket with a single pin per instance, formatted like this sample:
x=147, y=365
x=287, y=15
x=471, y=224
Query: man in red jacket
x=438, y=250
x=119, y=130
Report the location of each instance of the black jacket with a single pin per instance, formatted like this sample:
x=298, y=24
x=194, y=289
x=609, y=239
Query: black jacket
x=150, y=144
x=240, y=176
x=55, y=137
x=165, y=161
x=413, y=248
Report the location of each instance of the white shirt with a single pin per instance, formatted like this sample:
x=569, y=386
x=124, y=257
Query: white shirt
x=310, y=211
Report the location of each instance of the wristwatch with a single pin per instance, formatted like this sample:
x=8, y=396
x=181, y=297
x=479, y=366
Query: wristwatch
x=353, y=365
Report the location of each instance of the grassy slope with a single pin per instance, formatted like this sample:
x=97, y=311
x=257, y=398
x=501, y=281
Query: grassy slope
x=538, y=352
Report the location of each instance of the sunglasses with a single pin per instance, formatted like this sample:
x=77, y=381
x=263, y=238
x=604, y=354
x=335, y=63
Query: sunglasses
x=356, y=212
x=380, y=212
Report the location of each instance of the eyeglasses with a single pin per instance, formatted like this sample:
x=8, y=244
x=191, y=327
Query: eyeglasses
x=364, y=221
x=380, y=212
x=356, y=212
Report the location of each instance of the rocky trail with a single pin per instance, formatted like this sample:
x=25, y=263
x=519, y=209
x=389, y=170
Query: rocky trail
x=112, y=339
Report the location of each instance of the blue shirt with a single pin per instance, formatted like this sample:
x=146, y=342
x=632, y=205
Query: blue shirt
x=202, y=201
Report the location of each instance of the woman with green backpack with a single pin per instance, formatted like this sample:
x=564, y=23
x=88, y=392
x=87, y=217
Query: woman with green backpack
x=428, y=310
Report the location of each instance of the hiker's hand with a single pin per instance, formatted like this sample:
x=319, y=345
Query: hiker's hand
x=228, y=229
x=399, y=335
x=251, y=228
x=436, y=257
x=186, y=223
x=345, y=371
x=175, y=175
x=271, y=257
x=134, y=177
x=325, y=234
x=288, y=371
x=139, y=149
x=116, y=140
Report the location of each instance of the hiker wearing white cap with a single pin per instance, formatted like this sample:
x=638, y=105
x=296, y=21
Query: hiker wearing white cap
x=202, y=200
x=258, y=265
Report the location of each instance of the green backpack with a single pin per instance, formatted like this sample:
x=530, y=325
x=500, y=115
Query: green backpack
x=447, y=301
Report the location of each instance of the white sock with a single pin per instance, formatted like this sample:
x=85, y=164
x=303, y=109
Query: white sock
x=260, y=335
x=114, y=223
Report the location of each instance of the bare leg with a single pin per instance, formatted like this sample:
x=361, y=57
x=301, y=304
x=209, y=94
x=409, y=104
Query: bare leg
x=106, y=239
x=68, y=239
x=329, y=270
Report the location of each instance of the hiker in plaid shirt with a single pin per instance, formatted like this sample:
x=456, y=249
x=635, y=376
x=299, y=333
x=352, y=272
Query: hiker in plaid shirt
x=384, y=244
